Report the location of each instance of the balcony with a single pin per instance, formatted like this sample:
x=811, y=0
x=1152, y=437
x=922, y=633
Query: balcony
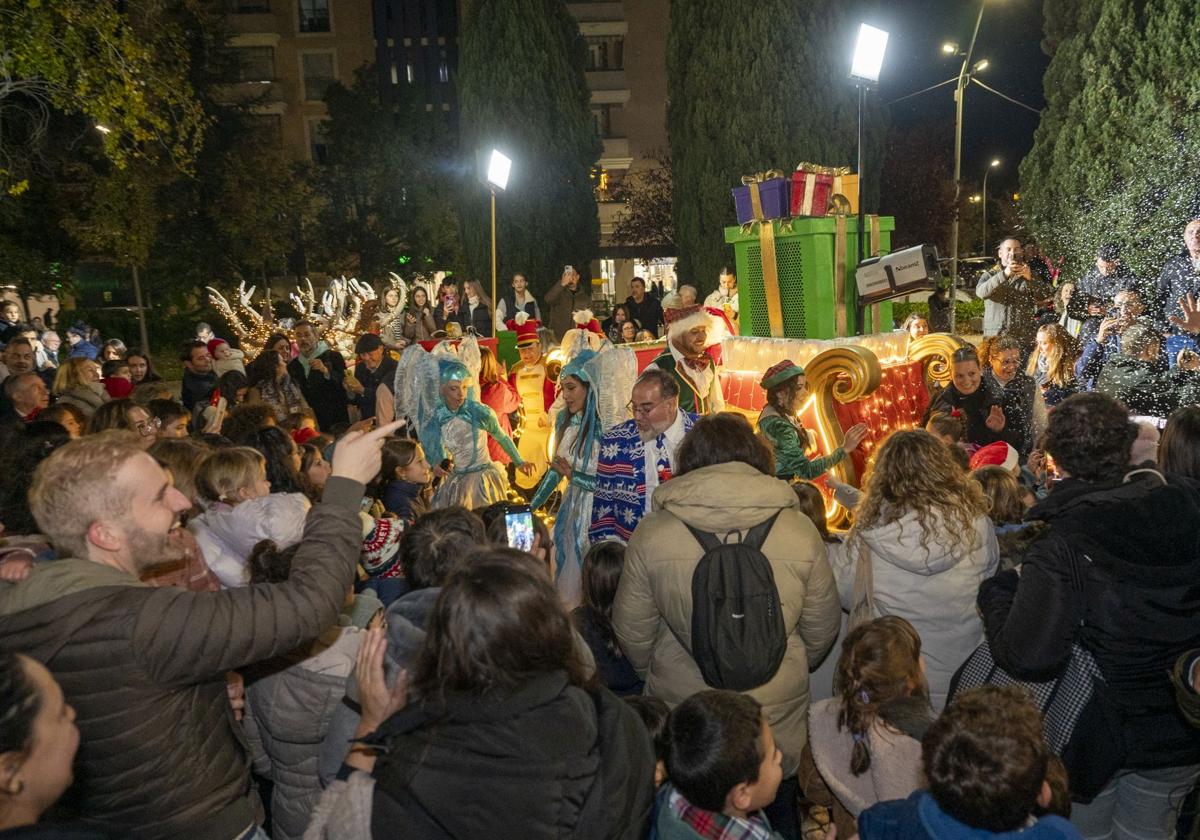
x=607, y=80
x=592, y=11
x=616, y=153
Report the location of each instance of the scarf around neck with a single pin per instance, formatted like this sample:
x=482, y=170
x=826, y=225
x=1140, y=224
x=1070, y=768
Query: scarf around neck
x=318, y=351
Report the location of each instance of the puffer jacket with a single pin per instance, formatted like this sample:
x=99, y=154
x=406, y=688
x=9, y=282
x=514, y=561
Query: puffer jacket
x=932, y=586
x=87, y=398
x=652, y=613
x=1115, y=571
x=288, y=712
x=226, y=535
x=544, y=760
x=160, y=755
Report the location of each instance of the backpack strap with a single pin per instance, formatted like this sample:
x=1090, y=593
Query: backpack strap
x=754, y=538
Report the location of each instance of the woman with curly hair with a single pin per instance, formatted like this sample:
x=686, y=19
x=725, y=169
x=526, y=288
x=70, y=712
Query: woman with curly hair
x=1052, y=366
x=920, y=546
x=270, y=384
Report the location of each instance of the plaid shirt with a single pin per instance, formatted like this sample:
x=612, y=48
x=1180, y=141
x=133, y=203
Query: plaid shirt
x=713, y=825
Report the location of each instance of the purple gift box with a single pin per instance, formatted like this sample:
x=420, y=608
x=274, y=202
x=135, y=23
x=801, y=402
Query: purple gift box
x=772, y=194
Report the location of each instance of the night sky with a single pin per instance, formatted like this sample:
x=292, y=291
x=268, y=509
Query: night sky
x=1009, y=38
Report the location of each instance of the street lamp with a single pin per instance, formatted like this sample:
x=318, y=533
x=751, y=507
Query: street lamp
x=995, y=162
x=864, y=69
x=499, y=167
x=959, y=89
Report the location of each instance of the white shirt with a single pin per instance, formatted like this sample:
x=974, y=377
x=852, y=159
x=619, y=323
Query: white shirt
x=674, y=437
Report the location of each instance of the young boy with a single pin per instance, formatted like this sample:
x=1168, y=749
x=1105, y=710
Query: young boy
x=117, y=379
x=723, y=768
x=987, y=768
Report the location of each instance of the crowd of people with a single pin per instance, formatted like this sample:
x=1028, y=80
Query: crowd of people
x=416, y=593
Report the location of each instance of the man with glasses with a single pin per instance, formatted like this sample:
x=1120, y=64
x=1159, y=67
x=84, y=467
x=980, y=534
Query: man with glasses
x=1127, y=308
x=638, y=455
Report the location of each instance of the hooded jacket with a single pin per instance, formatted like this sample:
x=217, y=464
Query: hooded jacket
x=289, y=708
x=652, y=613
x=226, y=535
x=1116, y=570
x=160, y=755
x=931, y=585
x=545, y=760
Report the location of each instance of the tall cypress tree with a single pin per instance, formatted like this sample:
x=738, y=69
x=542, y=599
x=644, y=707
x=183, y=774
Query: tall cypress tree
x=1114, y=157
x=522, y=89
x=753, y=87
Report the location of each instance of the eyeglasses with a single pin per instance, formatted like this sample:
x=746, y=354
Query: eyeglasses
x=645, y=408
x=148, y=427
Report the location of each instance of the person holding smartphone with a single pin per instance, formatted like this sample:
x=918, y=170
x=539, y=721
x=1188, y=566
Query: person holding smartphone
x=569, y=295
x=1011, y=293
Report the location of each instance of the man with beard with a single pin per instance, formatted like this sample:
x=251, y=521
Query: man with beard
x=638, y=455
x=144, y=667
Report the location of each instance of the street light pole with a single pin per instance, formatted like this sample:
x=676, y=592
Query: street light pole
x=959, y=90
x=859, y=309
x=984, y=249
x=493, y=202
x=864, y=69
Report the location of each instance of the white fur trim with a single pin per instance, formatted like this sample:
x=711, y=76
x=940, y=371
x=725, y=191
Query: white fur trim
x=582, y=316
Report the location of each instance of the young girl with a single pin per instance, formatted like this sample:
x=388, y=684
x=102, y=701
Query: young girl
x=1008, y=501
x=865, y=741
x=240, y=511
x=1053, y=365
x=405, y=478
x=314, y=470
x=602, y=567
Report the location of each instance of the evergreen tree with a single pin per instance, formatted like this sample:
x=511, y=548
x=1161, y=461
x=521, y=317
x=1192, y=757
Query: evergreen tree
x=522, y=89
x=1114, y=157
x=753, y=87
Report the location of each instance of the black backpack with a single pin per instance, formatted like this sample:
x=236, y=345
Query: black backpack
x=738, y=636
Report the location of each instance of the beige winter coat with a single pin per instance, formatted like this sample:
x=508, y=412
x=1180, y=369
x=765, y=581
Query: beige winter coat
x=652, y=614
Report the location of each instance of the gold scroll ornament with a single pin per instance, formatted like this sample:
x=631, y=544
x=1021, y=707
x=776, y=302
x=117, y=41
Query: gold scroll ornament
x=766, y=242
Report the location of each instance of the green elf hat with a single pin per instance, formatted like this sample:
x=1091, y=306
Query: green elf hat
x=779, y=373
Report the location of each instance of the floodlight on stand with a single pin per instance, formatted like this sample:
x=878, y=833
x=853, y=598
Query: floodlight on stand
x=499, y=166
x=868, y=53
x=950, y=48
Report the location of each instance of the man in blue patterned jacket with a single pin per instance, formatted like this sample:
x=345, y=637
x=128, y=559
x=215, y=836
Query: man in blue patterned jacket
x=638, y=455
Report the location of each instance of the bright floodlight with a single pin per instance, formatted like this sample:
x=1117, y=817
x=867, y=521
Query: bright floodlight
x=868, y=53
x=103, y=129
x=996, y=162
x=949, y=48
x=982, y=64
x=498, y=168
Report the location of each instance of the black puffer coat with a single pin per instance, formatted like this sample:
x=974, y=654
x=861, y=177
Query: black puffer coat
x=548, y=761
x=1118, y=569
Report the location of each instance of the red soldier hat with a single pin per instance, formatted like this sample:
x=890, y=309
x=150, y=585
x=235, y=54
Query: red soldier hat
x=526, y=330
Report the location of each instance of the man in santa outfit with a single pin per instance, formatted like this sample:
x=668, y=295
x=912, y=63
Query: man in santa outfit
x=536, y=389
x=691, y=329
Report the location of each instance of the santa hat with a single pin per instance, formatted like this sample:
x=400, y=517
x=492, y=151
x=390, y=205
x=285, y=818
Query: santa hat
x=680, y=319
x=998, y=454
x=213, y=344
x=304, y=435
x=585, y=320
x=381, y=549
x=526, y=329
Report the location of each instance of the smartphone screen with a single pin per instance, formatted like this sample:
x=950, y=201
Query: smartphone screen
x=518, y=521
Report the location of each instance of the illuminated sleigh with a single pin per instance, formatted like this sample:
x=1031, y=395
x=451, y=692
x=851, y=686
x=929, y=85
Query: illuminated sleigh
x=881, y=380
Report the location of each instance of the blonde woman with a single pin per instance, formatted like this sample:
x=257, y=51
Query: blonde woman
x=78, y=383
x=1053, y=365
x=920, y=547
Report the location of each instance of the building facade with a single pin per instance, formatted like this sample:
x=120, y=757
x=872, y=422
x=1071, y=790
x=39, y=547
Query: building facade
x=627, y=75
x=287, y=53
x=416, y=43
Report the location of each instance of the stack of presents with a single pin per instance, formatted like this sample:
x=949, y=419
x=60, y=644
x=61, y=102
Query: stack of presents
x=796, y=248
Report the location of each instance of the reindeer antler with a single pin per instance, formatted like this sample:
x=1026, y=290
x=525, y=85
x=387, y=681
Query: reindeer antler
x=304, y=301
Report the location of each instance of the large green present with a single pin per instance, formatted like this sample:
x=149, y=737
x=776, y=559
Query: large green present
x=796, y=285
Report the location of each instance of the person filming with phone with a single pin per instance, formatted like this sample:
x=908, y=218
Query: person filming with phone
x=1011, y=294
x=569, y=295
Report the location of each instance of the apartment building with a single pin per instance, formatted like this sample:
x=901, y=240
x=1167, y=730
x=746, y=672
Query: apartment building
x=627, y=75
x=288, y=53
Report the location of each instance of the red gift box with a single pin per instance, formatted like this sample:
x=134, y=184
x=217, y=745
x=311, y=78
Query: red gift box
x=810, y=192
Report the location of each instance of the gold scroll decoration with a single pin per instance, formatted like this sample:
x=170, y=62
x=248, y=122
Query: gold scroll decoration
x=936, y=353
x=844, y=374
x=766, y=243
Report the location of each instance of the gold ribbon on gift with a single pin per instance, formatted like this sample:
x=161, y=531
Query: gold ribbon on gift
x=875, y=325
x=817, y=169
x=839, y=273
x=766, y=243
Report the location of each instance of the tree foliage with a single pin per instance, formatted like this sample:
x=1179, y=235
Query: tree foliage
x=522, y=89
x=125, y=66
x=1114, y=156
x=753, y=87
x=386, y=194
x=648, y=195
